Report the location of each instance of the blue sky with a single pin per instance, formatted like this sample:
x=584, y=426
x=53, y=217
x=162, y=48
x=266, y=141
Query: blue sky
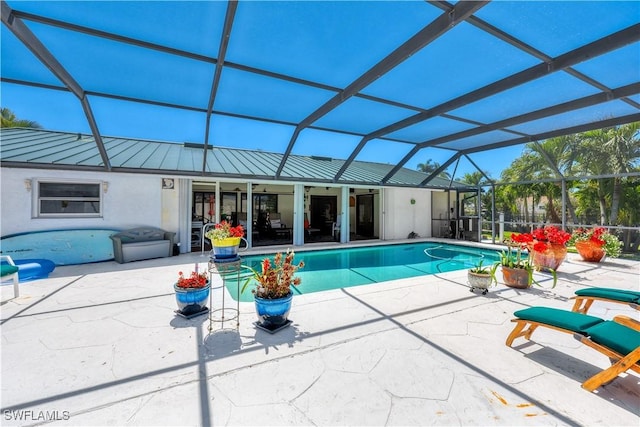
x=296, y=43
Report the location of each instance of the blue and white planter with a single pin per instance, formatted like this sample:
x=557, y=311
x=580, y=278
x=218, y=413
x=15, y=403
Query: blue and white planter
x=192, y=300
x=273, y=313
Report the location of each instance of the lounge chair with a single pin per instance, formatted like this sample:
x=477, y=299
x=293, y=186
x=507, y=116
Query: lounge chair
x=619, y=339
x=8, y=270
x=585, y=297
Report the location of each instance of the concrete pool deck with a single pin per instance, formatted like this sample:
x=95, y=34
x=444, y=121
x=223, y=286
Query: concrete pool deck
x=99, y=344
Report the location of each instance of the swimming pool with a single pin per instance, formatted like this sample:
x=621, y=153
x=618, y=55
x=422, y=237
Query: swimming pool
x=342, y=268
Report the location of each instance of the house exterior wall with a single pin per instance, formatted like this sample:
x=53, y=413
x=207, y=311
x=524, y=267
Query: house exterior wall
x=131, y=200
x=134, y=200
x=401, y=217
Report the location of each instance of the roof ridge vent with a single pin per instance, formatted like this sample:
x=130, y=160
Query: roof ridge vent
x=323, y=158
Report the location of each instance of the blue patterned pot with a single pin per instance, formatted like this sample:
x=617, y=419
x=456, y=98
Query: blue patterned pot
x=273, y=312
x=192, y=300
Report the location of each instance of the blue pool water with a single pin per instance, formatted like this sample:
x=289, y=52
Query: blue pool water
x=342, y=268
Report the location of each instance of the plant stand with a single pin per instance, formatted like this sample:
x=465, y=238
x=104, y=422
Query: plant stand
x=226, y=268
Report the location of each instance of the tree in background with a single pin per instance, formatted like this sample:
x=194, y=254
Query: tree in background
x=9, y=120
x=430, y=166
x=612, y=199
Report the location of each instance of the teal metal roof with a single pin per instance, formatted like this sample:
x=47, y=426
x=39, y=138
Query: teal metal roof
x=398, y=82
x=36, y=148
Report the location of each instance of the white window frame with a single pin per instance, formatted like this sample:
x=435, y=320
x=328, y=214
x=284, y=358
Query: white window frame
x=37, y=200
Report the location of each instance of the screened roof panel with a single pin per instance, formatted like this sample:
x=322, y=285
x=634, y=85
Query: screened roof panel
x=429, y=129
x=314, y=142
x=618, y=68
x=473, y=141
x=147, y=121
x=228, y=131
x=19, y=63
x=362, y=116
x=463, y=59
x=128, y=70
x=526, y=98
x=194, y=26
x=323, y=41
x=42, y=102
x=556, y=27
x=394, y=152
x=346, y=80
x=573, y=118
x=256, y=95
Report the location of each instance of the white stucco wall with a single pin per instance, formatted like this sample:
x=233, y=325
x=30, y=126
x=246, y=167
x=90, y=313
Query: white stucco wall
x=131, y=200
x=401, y=217
x=134, y=200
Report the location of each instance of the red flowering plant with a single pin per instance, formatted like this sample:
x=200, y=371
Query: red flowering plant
x=224, y=230
x=276, y=278
x=600, y=237
x=194, y=280
x=549, y=234
x=514, y=257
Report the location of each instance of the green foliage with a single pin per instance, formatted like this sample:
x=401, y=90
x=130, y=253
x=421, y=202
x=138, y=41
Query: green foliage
x=9, y=120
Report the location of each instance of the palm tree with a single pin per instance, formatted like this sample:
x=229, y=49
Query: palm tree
x=430, y=166
x=555, y=157
x=624, y=151
x=9, y=120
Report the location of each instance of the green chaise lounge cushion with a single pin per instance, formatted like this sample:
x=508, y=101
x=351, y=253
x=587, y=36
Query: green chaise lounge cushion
x=576, y=322
x=615, y=336
x=7, y=269
x=622, y=295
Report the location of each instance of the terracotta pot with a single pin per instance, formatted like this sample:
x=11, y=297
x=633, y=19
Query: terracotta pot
x=551, y=258
x=515, y=277
x=590, y=251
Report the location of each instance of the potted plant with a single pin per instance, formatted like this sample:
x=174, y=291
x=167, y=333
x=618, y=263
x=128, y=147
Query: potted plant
x=225, y=239
x=272, y=289
x=517, y=270
x=595, y=244
x=192, y=292
x=481, y=277
x=549, y=248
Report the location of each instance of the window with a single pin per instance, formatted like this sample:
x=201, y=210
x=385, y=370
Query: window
x=69, y=199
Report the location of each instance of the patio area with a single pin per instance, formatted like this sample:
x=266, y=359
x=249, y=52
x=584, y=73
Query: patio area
x=99, y=344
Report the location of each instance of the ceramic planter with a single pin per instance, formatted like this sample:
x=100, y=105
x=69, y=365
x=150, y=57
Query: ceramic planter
x=590, y=251
x=516, y=277
x=273, y=313
x=479, y=281
x=226, y=248
x=551, y=258
x=192, y=300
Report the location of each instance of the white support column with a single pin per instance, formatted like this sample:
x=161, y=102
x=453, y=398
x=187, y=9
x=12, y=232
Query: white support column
x=382, y=212
x=218, y=203
x=344, y=218
x=298, y=215
x=185, y=204
x=249, y=214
